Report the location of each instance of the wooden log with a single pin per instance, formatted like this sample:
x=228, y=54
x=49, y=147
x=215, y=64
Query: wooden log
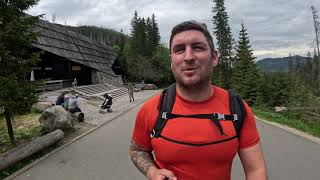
x=313, y=114
x=11, y=157
x=282, y=109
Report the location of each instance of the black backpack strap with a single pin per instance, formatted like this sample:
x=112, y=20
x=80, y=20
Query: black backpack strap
x=237, y=107
x=165, y=107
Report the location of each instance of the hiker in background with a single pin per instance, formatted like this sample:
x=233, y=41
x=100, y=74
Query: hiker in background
x=130, y=92
x=204, y=137
x=74, y=83
x=142, y=85
x=73, y=105
x=60, y=99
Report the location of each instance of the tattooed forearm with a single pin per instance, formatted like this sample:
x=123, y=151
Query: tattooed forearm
x=141, y=159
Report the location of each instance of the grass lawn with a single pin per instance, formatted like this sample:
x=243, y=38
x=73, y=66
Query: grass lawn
x=26, y=128
x=302, y=122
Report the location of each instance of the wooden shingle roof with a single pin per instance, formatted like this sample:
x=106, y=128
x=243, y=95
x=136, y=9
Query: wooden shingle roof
x=58, y=40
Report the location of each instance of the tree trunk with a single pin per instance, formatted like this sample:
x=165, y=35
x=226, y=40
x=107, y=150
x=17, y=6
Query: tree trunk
x=9, y=158
x=9, y=127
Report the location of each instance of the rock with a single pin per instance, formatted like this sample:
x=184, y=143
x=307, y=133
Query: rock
x=138, y=87
x=56, y=117
x=42, y=106
x=150, y=87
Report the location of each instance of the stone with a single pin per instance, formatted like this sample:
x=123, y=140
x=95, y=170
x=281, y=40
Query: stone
x=150, y=87
x=56, y=117
x=42, y=106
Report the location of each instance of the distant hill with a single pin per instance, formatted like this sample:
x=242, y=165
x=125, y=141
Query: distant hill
x=108, y=36
x=281, y=64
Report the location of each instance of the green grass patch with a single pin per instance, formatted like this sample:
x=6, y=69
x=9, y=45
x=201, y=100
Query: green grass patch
x=302, y=122
x=25, y=128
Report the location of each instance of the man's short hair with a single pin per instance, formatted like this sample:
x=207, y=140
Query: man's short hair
x=192, y=25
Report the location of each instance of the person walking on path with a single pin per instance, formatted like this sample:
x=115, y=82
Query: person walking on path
x=198, y=136
x=130, y=92
x=75, y=83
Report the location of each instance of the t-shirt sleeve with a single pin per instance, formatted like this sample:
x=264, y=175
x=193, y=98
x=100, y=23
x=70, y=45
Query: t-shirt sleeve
x=249, y=135
x=141, y=132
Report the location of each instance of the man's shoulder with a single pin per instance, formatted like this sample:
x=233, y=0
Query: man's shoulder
x=218, y=88
x=152, y=103
x=220, y=92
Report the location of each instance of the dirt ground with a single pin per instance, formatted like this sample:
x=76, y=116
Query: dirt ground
x=79, y=128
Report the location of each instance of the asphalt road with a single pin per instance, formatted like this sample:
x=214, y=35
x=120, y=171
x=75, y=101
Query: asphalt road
x=103, y=154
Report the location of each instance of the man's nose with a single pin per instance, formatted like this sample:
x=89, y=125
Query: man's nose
x=189, y=55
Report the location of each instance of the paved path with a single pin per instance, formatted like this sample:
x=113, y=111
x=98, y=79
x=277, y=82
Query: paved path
x=103, y=154
x=119, y=106
x=288, y=156
x=100, y=155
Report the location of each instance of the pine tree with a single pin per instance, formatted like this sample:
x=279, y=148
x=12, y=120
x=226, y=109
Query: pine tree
x=316, y=72
x=142, y=58
x=142, y=41
x=134, y=33
x=155, y=37
x=17, y=93
x=149, y=33
x=246, y=77
x=316, y=27
x=222, y=31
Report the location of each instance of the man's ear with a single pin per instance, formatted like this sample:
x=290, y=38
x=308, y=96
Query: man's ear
x=215, y=58
x=170, y=61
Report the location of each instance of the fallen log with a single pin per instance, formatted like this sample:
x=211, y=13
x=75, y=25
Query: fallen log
x=11, y=157
x=282, y=109
x=313, y=114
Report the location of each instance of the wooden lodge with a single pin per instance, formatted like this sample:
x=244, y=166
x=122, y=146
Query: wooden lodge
x=67, y=55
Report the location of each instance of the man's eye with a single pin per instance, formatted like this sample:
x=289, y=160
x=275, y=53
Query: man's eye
x=199, y=48
x=179, y=50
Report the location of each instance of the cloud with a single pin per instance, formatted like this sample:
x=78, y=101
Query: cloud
x=275, y=27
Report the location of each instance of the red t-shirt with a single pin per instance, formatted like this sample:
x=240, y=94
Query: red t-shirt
x=195, y=162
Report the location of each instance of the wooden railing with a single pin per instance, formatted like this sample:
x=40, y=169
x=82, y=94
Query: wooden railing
x=56, y=84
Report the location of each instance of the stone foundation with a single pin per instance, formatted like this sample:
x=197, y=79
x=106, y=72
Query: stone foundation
x=101, y=77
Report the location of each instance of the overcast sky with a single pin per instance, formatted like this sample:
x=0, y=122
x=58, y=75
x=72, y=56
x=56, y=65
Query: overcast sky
x=276, y=27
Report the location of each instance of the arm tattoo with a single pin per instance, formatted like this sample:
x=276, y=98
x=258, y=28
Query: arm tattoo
x=143, y=160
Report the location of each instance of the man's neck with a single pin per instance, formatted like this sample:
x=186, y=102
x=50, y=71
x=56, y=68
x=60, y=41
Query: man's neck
x=195, y=93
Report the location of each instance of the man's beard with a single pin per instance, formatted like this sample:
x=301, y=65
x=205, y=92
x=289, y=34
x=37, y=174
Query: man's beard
x=200, y=84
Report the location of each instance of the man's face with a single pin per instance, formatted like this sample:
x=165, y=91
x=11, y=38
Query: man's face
x=191, y=60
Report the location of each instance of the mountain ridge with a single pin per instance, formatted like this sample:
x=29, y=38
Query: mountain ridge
x=281, y=64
